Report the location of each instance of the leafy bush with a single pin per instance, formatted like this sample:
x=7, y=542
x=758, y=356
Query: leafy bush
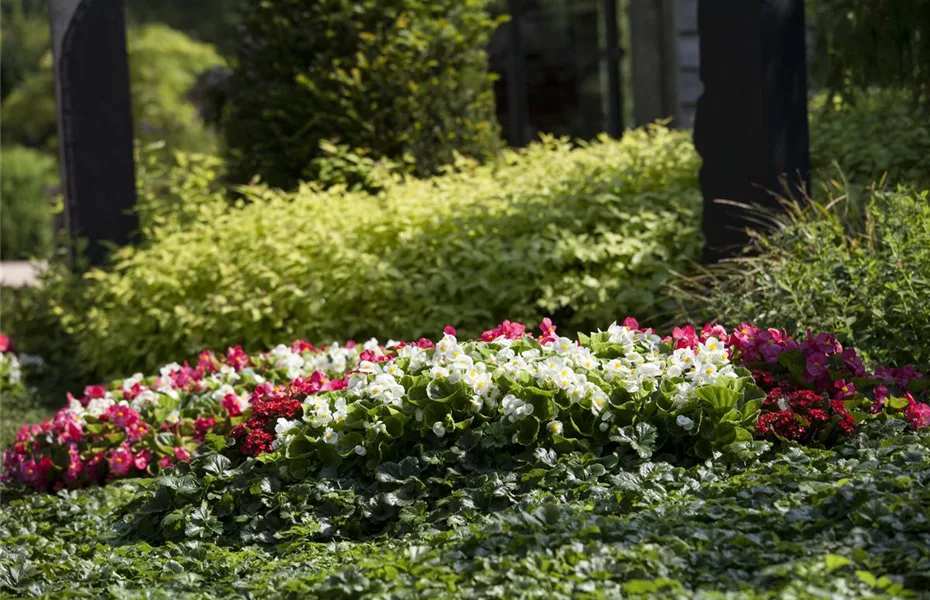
x=27, y=202
x=401, y=78
x=163, y=65
x=860, y=269
x=869, y=135
x=582, y=234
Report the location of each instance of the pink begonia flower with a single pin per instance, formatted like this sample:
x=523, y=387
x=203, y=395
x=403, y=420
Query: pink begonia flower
x=181, y=454
x=122, y=416
x=75, y=466
x=844, y=390
x=120, y=460
x=881, y=394
x=631, y=323
x=231, y=404
x=714, y=330
x=165, y=462
x=816, y=365
x=685, y=337
x=448, y=330
x=142, y=459
x=917, y=412
x=5, y=344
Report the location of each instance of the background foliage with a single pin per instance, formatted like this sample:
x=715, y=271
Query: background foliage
x=860, y=44
x=28, y=198
x=163, y=65
x=404, y=79
x=871, y=135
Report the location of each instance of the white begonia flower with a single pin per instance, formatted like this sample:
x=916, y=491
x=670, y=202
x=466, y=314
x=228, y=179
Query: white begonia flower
x=378, y=426
x=673, y=371
x=173, y=417
x=447, y=345
x=98, y=406
x=563, y=345
x=371, y=345
x=439, y=429
x=339, y=415
x=330, y=436
x=284, y=425
x=555, y=427
x=438, y=372
x=685, y=423
x=577, y=392
x=477, y=402
x=515, y=409
x=360, y=450
x=324, y=415
x=145, y=398
x=168, y=369
x=368, y=367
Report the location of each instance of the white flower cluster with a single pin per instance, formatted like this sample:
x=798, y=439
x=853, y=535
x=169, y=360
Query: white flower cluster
x=561, y=365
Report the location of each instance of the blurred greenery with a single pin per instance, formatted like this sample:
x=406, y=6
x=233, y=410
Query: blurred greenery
x=163, y=66
x=28, y=199
x=407, y=80
x=863, y=44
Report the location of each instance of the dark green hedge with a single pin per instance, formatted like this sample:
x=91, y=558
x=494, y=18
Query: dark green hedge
x=404, y=79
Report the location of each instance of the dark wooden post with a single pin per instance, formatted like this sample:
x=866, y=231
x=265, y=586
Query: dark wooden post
x=613, y=54
x=516, y=78
x=751, y=124
x=94, y=122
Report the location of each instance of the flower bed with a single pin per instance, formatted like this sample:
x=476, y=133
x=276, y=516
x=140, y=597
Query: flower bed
x=695, y=393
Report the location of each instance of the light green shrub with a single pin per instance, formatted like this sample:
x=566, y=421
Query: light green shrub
x=584, y=234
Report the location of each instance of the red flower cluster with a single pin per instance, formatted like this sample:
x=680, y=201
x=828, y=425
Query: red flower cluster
x=802, y=415
x=268, y=404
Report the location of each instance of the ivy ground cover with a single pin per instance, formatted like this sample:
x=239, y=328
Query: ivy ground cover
x=509, y=465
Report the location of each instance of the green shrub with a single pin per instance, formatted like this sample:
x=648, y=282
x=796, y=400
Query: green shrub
x=163, y=65
x=25, y=39
x=584, y=235
x=872, y=134
x=860, y=271
x=27, y=202
x=402, y=78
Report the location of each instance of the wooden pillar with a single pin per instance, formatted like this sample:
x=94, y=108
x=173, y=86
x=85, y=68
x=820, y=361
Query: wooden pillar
x=94, y=122
x=751, y=124
x=653, y=63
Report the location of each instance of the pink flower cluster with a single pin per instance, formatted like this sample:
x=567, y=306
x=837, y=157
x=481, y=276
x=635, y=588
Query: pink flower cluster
x=815, y=391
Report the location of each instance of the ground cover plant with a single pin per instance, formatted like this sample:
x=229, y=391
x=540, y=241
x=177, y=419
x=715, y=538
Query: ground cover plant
x=655, y=493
